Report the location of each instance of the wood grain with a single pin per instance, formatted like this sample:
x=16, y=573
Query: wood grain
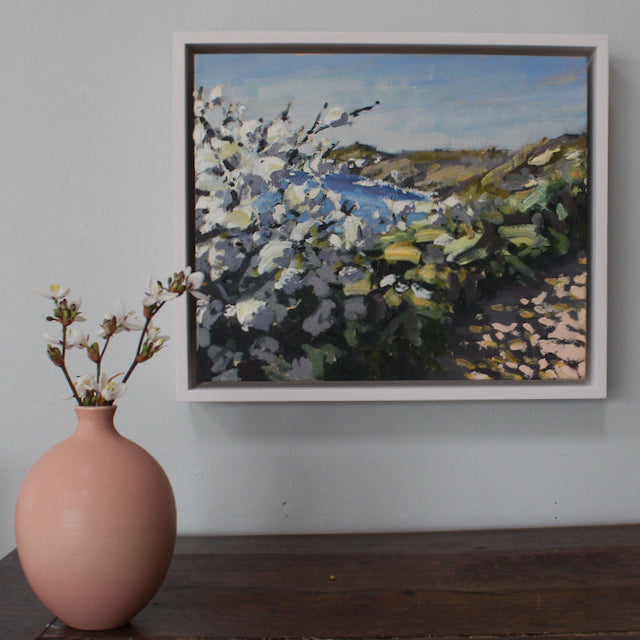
x=557, y=583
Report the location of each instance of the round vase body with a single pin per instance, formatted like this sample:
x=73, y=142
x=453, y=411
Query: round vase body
x=95, y=525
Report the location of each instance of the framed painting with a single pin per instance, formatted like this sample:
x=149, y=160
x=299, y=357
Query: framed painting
x=392, y=216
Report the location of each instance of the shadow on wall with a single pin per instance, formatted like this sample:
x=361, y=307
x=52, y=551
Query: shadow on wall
x=314, y=467
x=426, y=421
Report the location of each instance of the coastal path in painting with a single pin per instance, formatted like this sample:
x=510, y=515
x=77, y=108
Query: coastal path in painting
x=329, y=259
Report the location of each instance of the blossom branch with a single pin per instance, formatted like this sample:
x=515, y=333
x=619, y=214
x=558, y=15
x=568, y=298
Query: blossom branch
x=136, y=360
x=63, y=366
x=102, y=390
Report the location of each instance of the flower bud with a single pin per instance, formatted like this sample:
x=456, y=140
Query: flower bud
x=93, y=351
x=55, y=355
x=176, y=285
x=109, y=326
x=144, y=355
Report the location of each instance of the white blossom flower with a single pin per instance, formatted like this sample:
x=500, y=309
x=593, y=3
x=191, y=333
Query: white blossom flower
x=155, y=338
x=157, y=294
x=247, y=310
x=55, y=292
x=335, y=117
x=399, y=207
x=193, y=281
x=421, y=292
x=85, y=384
x=335, y=241
x=127, y=321
x=120, y=321
x=75, y=304
x=216, y=94
x=269, y=165
x=274, y=255
x=110, y=390
x=277, y=131
x=76, y=338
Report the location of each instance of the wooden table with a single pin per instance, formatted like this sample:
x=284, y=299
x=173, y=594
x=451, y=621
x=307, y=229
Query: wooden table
x=559, y=584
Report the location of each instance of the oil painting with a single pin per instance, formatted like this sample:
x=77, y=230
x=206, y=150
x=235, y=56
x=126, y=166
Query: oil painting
x=390, y=217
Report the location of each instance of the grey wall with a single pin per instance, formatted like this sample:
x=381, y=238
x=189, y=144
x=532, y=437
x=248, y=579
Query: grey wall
x=85, y=199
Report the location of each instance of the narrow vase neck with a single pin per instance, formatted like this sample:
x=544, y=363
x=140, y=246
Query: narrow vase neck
x=95, y=420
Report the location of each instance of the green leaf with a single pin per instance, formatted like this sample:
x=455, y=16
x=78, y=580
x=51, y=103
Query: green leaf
x=319, y=356
x=428, y=234
x=519, y=266
x=477, y=253
x=460, y=246
x=560, y=241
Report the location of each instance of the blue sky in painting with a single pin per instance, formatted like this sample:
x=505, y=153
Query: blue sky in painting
x=426, y=100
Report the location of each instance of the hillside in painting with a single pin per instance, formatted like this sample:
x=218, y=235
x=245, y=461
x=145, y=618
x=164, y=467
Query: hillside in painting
x=345, y=263
x=448, y=170
x=531, y=325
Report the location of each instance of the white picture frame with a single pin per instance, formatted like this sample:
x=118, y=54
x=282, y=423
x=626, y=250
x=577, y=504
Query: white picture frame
x=592, y=384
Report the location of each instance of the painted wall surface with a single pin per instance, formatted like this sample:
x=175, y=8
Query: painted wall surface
x=85, y=200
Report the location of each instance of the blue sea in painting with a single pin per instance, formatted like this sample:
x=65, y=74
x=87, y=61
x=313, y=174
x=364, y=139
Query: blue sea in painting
x=370, y=198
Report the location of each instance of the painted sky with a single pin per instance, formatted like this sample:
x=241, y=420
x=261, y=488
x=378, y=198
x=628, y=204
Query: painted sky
x=426, y=100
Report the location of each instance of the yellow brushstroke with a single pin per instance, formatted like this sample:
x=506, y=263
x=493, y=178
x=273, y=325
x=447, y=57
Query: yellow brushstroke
x=401, y=252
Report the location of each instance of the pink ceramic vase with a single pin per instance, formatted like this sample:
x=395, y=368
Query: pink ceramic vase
x=95, y=525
